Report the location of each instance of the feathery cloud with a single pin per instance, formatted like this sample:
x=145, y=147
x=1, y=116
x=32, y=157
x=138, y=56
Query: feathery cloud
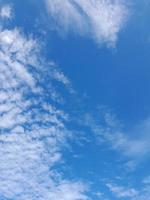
x=133, y=144
x=99, y=19
x=122, y=192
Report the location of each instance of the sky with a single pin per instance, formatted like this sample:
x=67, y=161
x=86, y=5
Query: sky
x=74, y=100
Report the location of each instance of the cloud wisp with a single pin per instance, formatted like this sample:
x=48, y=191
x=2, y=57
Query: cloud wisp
x=6, y=12
x=132, y=144
x=124, y=192
x=99, y=19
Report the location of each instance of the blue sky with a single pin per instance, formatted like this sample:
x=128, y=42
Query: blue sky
x=74, y=100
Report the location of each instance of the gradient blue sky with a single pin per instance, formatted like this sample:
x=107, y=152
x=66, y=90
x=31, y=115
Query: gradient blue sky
x=74, y=100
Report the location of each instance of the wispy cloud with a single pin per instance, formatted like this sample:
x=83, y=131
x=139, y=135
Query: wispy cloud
x=133, y=144
x=122, y=192
x=6, y=11
x=33, y=131
x=100, y=20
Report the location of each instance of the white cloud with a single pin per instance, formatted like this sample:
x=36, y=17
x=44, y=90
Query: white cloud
x=33, y=130
x=6, y=11
x=101, y=20
x=133, y=144
x=122, y=192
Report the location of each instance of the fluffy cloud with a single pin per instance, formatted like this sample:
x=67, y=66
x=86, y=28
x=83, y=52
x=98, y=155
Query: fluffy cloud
x=33, y=130
x=101, y=20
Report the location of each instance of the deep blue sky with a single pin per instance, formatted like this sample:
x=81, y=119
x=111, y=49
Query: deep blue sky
x=117, y=77
x=109, y=111
x=127, y=64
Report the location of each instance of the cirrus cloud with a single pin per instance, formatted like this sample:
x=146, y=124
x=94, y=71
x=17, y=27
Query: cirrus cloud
x=101, y=20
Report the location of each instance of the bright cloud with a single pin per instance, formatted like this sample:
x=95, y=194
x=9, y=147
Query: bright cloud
x=33, y=130
x=99, y=19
